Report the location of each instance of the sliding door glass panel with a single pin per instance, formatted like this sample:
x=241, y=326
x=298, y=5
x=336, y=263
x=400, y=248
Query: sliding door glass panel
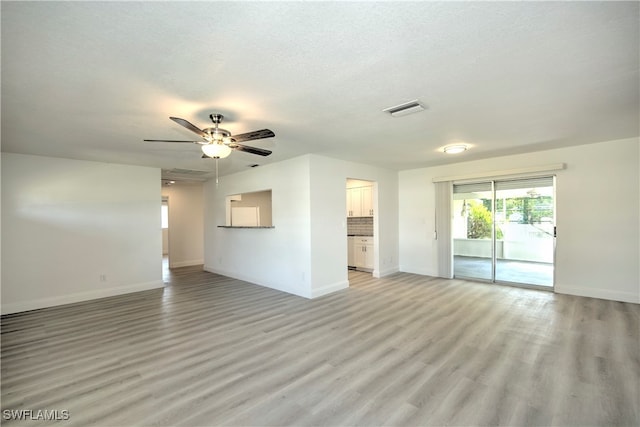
x=472, y=227
x=525, y=220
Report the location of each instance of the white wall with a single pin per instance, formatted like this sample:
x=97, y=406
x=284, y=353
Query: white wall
x=328, y=220
x=306, y=251
x=276, y=257
x=186, y=223
x=66, y=223
x=598, y=209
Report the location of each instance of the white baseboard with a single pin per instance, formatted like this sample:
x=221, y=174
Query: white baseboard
x=607, y=294
x=17, y=307
x=318, y=292
x=254, y=280
x=382, y=273
x=189, y=263
x=314, y=293
x=420, y=271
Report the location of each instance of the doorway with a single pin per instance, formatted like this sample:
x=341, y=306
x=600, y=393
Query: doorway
x=361, y=214
x=504, y=231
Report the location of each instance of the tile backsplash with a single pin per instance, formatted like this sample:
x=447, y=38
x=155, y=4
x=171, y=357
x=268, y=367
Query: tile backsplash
x=360, y=226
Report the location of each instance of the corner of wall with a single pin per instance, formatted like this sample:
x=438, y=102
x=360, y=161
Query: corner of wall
x=386, y=272
x=318, y=292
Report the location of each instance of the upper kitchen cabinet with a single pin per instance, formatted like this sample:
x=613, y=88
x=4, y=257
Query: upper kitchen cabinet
x=367, y=201
x=360, y=201
x=354, y=202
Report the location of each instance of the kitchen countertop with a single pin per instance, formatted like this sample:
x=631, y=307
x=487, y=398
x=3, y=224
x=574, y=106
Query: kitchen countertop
x=246, y=226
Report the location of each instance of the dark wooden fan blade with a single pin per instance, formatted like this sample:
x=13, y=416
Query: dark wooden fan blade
x=256, y=134
x=193, y=128
x=252, y=150
x=171, y=140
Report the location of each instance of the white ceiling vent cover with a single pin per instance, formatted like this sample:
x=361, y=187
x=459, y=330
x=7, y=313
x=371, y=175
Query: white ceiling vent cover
x=184, y=171
x=177, y=174
x=403, y=109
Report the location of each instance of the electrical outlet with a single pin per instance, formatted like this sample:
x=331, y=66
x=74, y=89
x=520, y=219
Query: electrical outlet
x=103, y=277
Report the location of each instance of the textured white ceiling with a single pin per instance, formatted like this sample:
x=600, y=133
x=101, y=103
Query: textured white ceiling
x=91, y=80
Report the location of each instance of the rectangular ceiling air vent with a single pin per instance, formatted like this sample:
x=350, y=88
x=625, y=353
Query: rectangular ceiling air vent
x=185, y=175
x=404, y=109
x=185, y=171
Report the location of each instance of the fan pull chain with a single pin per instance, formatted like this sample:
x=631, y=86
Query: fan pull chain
x=216, y=171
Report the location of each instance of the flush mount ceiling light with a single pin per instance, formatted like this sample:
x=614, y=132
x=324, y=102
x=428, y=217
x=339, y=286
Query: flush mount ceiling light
x=455, y=148
x=404, y=109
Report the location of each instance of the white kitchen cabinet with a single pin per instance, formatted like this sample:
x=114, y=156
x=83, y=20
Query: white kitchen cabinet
x=360, y=201
x=363, y=252
x=354, y=202
x=367, y=201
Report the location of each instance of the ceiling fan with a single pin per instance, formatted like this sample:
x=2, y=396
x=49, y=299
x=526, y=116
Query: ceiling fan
x=217, y=143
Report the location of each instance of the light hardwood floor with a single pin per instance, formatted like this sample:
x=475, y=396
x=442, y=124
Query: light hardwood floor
x=405, y=350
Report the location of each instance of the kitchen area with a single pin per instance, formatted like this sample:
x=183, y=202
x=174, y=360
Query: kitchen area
x=360, y=214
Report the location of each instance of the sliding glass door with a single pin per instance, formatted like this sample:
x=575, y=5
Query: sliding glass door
x=503, y=231
x=525, y=216
x=472, y=220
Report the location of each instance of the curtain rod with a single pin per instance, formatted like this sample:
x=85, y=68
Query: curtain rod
x=518, y=171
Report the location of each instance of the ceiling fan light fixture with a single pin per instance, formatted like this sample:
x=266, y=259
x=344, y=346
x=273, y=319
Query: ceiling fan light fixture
x=455, y=148
x=216, y=151
x=220, y=142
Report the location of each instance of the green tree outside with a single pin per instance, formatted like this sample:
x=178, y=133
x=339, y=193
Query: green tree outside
x=479, y=221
